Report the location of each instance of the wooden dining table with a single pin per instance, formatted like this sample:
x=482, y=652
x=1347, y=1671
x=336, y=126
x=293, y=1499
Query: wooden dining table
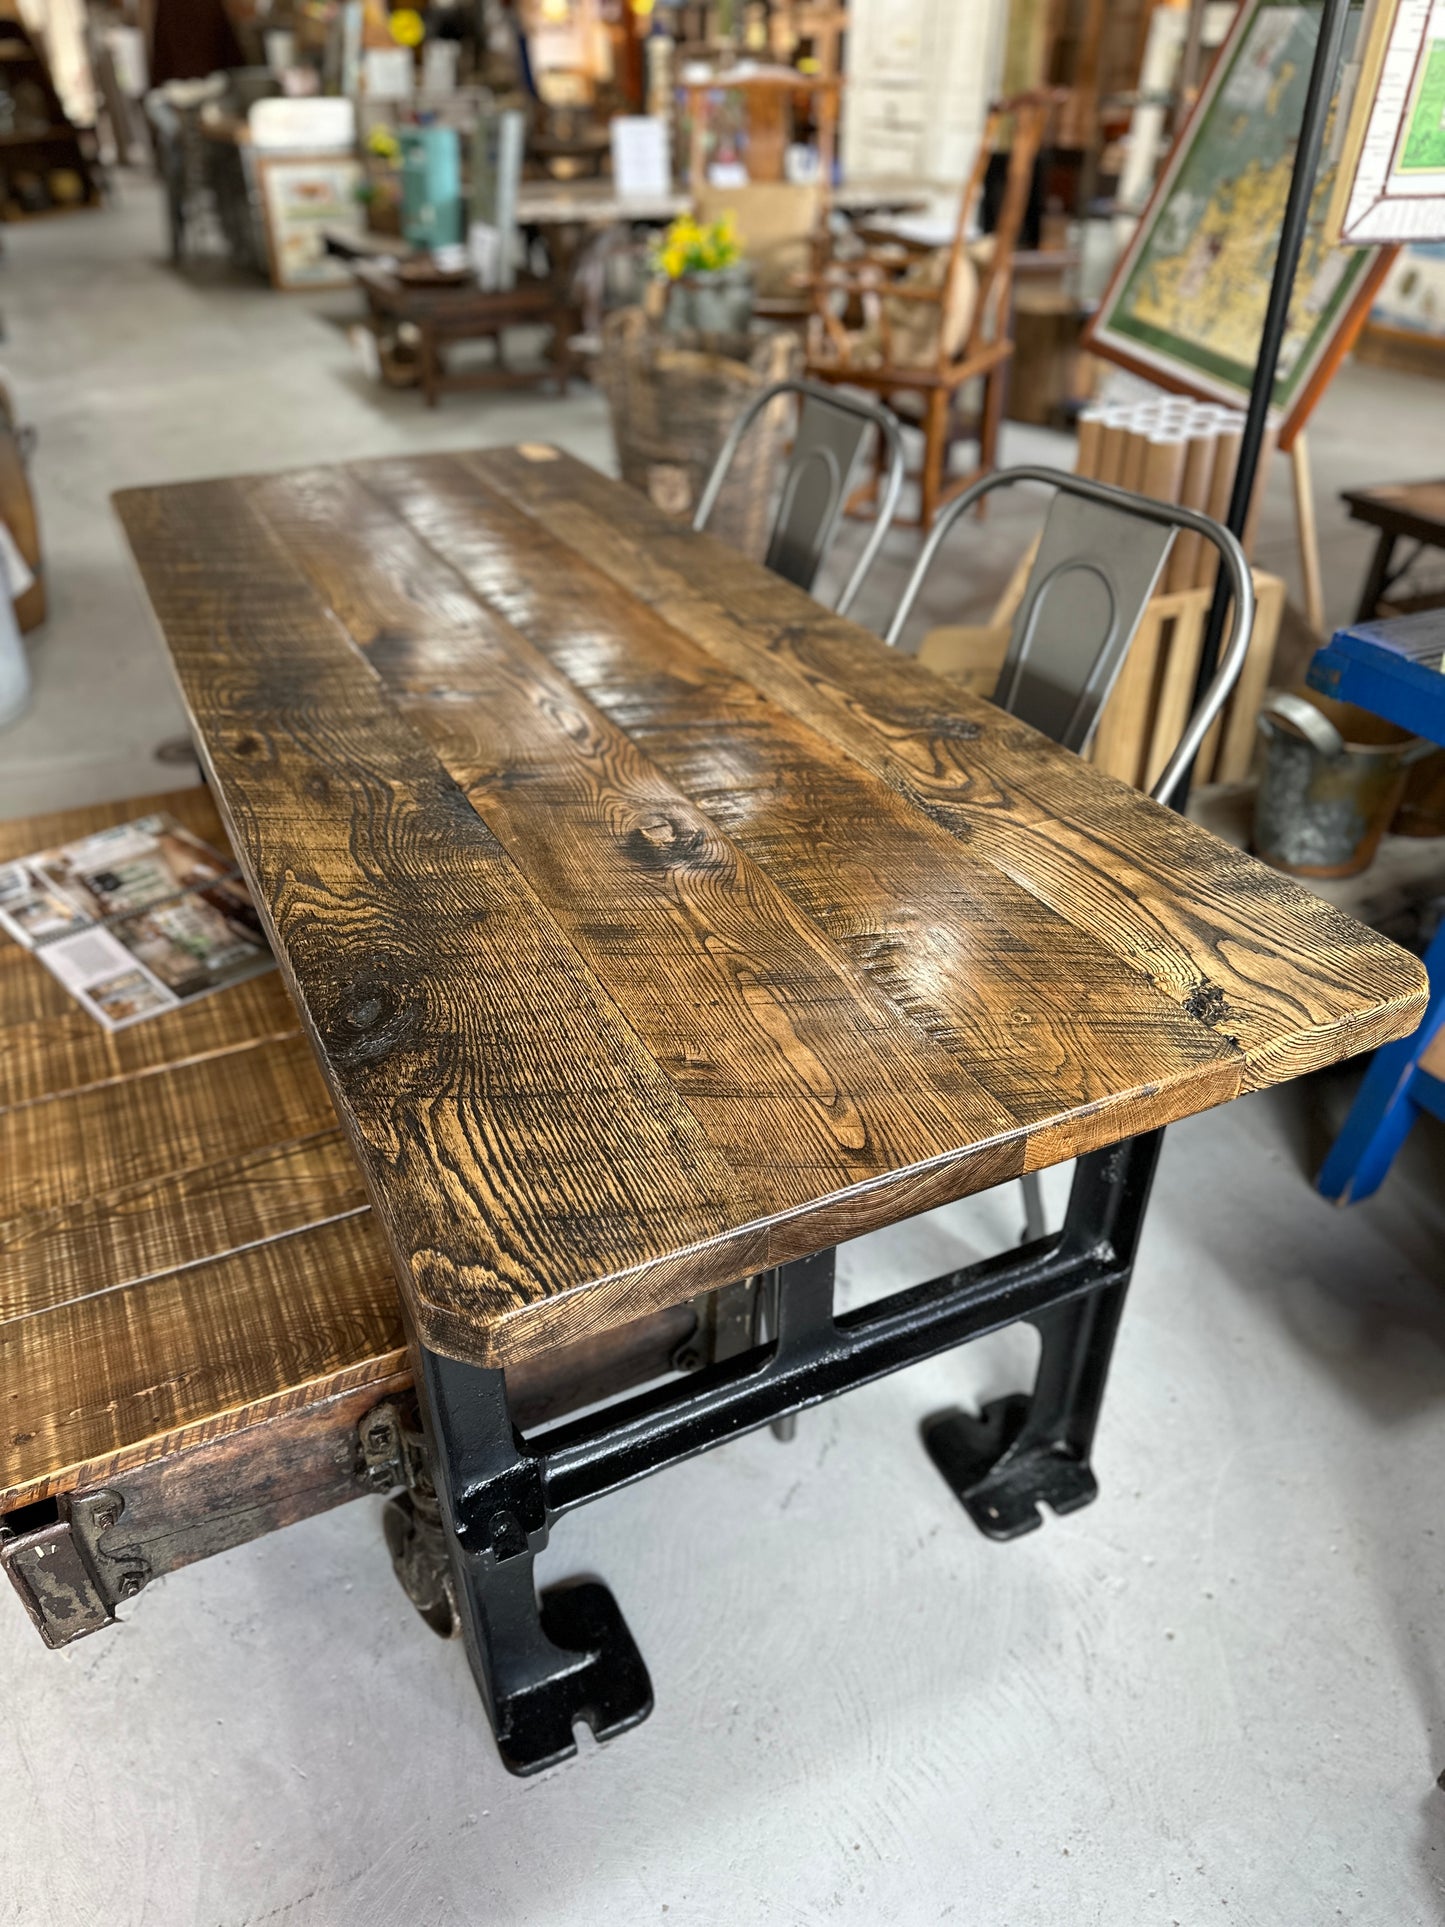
x=655, y=931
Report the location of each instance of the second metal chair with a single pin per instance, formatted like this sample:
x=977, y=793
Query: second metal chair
x=1098, y=563
x=833, y=426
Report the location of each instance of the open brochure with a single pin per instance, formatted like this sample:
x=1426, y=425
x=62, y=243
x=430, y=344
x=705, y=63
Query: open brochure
x=136, y=919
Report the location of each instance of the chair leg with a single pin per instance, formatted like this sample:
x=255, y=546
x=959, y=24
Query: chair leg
x=430, y=368
x=995, y=391
x=935, y=448
x=769, y=1325
x=1036, y=1223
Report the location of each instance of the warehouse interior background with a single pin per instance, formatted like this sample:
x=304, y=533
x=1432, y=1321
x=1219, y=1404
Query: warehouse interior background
x=1218, y=1693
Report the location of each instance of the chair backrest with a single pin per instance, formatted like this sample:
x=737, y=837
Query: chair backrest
x=1029, y=115
x=1097, y=565
x=833, y=427
x=777, y=225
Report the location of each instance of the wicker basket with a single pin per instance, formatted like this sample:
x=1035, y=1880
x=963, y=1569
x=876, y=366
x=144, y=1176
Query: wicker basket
x=672, y=403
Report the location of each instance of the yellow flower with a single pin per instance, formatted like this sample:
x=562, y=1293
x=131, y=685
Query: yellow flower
x=383, y=144
x=408, y=29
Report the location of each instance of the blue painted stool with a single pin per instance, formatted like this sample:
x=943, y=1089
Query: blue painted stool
x=1393, y=669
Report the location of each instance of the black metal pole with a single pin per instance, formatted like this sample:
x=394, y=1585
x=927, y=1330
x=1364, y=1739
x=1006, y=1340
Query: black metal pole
x=1333, y=16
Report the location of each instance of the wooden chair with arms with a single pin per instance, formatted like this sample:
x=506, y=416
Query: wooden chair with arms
x=942, y=318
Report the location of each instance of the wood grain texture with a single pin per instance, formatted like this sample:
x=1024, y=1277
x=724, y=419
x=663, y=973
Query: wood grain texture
x=165, y=1120
x=1050, y=1018
x=186, y=1251
x=1302, y=984
x=652, y=924
x=127, y=1376
x=108, y=1239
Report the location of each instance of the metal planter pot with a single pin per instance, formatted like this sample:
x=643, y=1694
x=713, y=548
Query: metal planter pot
x=717, y=302
x=1326, y=797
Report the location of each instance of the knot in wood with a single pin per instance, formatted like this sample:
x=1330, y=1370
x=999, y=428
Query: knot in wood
x=367, y=1022
x=663, y=841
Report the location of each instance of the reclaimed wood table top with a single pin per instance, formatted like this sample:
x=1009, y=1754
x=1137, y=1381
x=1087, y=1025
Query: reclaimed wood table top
x=652, y=925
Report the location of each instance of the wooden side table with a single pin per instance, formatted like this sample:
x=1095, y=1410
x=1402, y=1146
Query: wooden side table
x=445, y=312
x=1401, y=511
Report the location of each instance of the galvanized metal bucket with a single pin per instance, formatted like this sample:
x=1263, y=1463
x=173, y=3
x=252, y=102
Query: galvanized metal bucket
x=1326, y=796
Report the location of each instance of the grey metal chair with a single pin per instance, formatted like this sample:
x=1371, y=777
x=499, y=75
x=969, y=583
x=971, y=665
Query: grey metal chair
x=1099, y=559
x=833, y=426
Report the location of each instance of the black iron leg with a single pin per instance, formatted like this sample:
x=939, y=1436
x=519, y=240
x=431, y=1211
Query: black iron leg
x=1033, y=1448
x=541, y=1665
x=490, y=1497
x=1378, y=579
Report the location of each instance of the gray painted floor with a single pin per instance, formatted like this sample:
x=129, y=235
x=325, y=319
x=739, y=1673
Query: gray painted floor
x=1216, y=1695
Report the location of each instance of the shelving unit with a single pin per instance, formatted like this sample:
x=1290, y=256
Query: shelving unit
x=46, y=167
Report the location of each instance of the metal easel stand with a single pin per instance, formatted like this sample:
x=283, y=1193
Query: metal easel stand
x=543, y=1665
x=1334, y=15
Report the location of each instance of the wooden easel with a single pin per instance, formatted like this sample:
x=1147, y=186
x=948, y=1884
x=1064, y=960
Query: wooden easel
x=1307, y=532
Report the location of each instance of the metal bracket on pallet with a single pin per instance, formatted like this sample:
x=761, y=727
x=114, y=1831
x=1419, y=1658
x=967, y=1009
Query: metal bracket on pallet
x=393, y=1453
x=56, y=1558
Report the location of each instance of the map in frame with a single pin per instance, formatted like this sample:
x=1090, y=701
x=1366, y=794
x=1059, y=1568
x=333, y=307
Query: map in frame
x=1186, y=304
x=1391, y=175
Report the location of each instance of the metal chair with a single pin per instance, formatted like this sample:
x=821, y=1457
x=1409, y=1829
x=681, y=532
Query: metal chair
x=1098, y=561
x=832, y=428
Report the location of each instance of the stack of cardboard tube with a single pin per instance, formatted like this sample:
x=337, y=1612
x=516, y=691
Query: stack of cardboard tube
x=1174, y=449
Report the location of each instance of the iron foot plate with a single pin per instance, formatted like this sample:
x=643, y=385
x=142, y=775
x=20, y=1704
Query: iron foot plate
x=1002, y=1490
x=609, y=1689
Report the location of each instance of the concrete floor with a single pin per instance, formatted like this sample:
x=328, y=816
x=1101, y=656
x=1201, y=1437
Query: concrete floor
x=1216, y=1695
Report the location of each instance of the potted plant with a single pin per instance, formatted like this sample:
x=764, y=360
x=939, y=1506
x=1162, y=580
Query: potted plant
x=708, y=285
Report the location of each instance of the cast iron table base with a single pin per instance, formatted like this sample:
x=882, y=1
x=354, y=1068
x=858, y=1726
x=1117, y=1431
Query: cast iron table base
x=544, y=1665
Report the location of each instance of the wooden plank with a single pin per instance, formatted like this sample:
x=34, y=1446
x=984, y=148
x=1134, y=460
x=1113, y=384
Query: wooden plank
x=200, y=1499
x=516, y=1146
x=801, y=1071
x=1185, y=614
x=112, y=1238
x=1050, y=1018
x=1238, y=731
x=1295, y=982
x=1121, y=740
x=67, y=1050
x=123, y=1378
x=62, y=1149
x=194, y=808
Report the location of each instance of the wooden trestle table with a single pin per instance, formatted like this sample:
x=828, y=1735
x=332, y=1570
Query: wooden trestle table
x=653, y=931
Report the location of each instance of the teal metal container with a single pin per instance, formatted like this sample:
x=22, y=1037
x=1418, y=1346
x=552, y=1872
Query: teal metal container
x=431, y=186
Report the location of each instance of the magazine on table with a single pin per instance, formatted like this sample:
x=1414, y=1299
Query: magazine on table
x=135, y=920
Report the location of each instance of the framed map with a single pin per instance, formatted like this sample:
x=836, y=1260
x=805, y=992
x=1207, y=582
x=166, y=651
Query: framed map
x=1390, y=183
x=1186, y=304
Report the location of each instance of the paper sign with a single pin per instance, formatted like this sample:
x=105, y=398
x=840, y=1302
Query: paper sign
x=641, y=164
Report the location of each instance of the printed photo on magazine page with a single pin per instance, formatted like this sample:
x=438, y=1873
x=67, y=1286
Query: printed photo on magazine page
x=136, y=919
